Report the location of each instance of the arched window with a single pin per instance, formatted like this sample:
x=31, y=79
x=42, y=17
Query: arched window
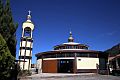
x=27, y=32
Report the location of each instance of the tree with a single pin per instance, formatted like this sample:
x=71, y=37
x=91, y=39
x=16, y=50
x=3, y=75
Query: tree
x=7, y=41
x=8, y=27
x=6, y=60
x=1, y=14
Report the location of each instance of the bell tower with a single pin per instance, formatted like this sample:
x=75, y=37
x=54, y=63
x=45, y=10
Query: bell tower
x=26, y=44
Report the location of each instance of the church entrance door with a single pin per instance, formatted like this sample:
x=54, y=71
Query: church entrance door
x=65, y=66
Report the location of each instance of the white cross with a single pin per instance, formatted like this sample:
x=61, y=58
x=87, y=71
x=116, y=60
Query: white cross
x=29, y=12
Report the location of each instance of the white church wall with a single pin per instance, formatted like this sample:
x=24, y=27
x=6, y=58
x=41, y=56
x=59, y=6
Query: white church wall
x=39, y=65
x=87, y=63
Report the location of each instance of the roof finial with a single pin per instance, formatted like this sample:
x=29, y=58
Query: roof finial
x=29, y=15
x=70, y=39
x=70, y=33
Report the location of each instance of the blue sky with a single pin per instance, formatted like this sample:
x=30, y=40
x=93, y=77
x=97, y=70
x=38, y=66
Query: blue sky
x=92, y=22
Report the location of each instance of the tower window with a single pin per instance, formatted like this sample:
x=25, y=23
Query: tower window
x=27, y=32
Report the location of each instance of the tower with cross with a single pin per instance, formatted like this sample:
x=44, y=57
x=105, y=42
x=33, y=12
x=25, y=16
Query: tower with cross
x=26, y=44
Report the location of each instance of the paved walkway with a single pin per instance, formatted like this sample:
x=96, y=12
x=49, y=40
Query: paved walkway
x=80, y=76
x=49, y=75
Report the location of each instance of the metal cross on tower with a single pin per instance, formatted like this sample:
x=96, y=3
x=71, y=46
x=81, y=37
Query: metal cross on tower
x=29, y=12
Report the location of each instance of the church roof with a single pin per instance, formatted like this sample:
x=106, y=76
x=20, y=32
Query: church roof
x=68, y=51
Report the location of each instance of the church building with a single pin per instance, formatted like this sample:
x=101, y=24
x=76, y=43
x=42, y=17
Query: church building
x=70, y=57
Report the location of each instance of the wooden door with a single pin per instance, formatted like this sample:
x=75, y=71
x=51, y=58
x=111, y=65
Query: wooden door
x=49, y=66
